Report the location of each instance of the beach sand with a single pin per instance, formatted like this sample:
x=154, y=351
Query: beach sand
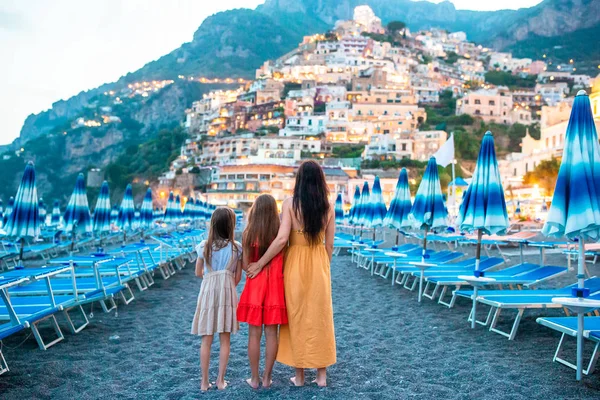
x=389, y=347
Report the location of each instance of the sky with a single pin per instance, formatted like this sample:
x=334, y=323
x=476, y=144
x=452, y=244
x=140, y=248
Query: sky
x=52, y=50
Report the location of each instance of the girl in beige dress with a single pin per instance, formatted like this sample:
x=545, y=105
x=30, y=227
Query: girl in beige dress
x=219, y=263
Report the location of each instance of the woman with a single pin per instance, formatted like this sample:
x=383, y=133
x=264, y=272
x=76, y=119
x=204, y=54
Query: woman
x=308, y=341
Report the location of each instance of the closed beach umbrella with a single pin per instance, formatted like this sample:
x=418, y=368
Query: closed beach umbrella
x=483, y=208
x=24, y=220
x=428, y=211
x=125, y=219
x=339, y=210
x=114, y=214
x=77, y=215
x=179, y=212
x=146, y=213
x=1, y=213
x=198, y=210
x=575, y=208
x=363, y=207
x=55, y=217
x=188, y=210
x=8, y=210
x=101, y=220
x=170, y=212
x=137, y=216
x=43, y=211
x=353, y=216
x=377, y=210
x=397, y=214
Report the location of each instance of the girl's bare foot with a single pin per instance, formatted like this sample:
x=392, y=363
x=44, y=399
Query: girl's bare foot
x=253, y=383
x=320, y=382
x=221, y=385
x=204, y=386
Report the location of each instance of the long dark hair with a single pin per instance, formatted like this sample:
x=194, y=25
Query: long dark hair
x=220, y=234
x=263, y=224
x=310, y=202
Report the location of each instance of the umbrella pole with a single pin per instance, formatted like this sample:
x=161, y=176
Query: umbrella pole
x=397, y=239
x=580, y=321
x=475, y=287
x=21, y=251
x=422, y=261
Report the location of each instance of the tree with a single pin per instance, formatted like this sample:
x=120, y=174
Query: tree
x=544, y=175
x=394, y=27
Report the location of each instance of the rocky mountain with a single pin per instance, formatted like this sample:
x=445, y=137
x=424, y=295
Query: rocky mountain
x=234, y=43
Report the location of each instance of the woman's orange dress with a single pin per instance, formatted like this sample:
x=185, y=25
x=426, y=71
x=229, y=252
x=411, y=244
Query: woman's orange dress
x=308, y=340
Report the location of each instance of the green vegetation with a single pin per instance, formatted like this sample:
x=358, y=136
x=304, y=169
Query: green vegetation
x=544, y=175
x=394, y=27
x=146, y=161
x=501, y=78
x=451, y=57
x=393, y=164
x=348, y=151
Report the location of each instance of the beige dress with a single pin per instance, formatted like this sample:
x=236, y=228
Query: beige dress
x=217, y=300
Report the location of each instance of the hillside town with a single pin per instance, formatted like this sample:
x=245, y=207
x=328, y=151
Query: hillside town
x=362, y=92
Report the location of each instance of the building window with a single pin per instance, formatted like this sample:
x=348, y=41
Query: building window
x=492, y=103
x=477, y=101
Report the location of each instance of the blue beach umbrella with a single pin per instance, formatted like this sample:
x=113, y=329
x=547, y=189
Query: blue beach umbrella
x=101, y=220
x=198, y=210
x=575, y=208
x=428, y=211
x=114, y=214
x=1, y=212
x=126, y=216
x=353, y=216
x=77, y=215
x=146, y=213
x=188, y=210
x=179, y=213
x=483, y=208
x=24, y=220
x=137, y=216
x=170, y=213
x=377, y=210
x=363, y=206
x=43, y=211
x=55, y=217
x=339, y=210
x=397, y=214
x=8, y=210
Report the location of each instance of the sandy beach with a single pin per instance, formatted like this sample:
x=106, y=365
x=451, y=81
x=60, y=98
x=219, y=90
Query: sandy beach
x=389, y=347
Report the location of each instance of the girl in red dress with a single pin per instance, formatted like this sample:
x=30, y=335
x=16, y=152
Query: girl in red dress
x=262, y=302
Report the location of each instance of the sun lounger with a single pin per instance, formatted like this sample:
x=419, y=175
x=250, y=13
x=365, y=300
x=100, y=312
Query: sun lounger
x=521, y=300
x=567, y=326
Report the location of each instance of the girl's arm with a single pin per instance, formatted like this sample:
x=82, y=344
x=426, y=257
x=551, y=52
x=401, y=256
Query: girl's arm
x=330, y=233
x=238, y=273
x=245, y=260
x=283, y=236
x=199, y=267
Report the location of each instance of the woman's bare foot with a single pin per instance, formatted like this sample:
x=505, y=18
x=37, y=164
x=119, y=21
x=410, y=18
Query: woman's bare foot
x=320, y=382
x=204, y=386
x=253, y=383
x=221, y=385
x=266, y=382
x=296, y=382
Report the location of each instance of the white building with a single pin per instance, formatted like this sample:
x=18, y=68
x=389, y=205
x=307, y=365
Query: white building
x=304, y=125
x=552, y=93
x=365, y=16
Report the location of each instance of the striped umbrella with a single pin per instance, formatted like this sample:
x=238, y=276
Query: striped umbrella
x=199, y=213
x=137, y=217
x=101, y=220
x=147, y=216
x=188, y=210
x=339, y=210
x=397, y=215
x=363, y=206
x=114, y=214
x=77, y=215
x=179, y=213
x=8, y=210
x=170, y=212
x=126, y=216
x=377, y=209
x=55, y=217
x=353, y=217
x=1, y=212
x=428, y=211
x=43, y=211
x=575, y=207
x=158, y=214
x=483, y=208
x=24, y=220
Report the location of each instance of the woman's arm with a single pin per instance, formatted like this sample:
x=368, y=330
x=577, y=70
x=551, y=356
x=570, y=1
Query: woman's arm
x=238, y=273
x=330, y=233
x=283, y=236
x=199, y=267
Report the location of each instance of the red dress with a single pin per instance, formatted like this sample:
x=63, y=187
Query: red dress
x=263, y=300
